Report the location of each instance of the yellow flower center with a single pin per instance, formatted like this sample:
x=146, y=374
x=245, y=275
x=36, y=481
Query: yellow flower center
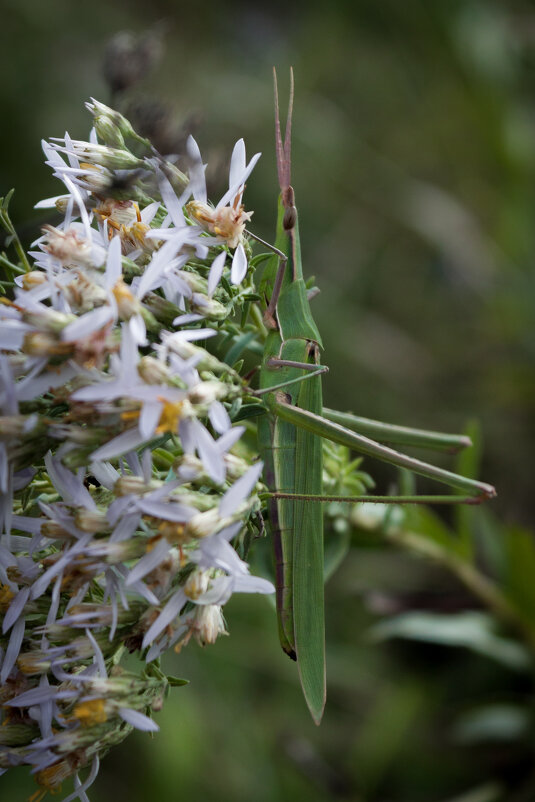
x=171, y=531
x=52, y=777
x=6, y=595
x=91, y=712
x=170, y=416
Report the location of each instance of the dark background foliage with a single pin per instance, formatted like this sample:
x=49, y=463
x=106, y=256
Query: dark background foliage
x=414, y=160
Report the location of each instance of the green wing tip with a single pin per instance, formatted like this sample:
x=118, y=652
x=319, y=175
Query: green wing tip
x=316, y=711
x=315, y=692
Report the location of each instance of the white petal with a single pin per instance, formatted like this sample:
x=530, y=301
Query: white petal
x=170, y=611
x=219, y=417
x=138, y=720
x=216, y=271
x=33, y=387
x=237, y=163
x=239, y=490
x=148, y=420
x=49, y=203
x=97, y=653
x=150, y=561
x=13, y=649
x=183, y=320
x=149, y=212
x=81, y=788
x=124, y=442
x=167, y=510
x=193, y=334
x=104, y=473
x=154, y=272
x=227, y=440
x=171, y=202
x=196, y=171
x=252, y=584
x=239, y=266
x=15, y=609
x=113, y=263
x=228, y=197
x=210, y=455
x=70, y=487
x=88, y=324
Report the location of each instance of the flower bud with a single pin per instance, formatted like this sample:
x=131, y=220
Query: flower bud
x=104, y=156
x=110, y=123
x=91, y=520
x=152, y=371
x=133, y=485
x=205, y=393
x=37, y=343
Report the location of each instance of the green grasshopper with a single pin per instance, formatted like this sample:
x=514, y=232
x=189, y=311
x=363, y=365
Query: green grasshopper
x=290, y=438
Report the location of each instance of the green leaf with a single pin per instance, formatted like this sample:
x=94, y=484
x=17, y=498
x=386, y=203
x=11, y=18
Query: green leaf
x=238, y=347
x=519, y=583
x=492, y=723
x=471, y=630
x=176, y=682
x=249, y=411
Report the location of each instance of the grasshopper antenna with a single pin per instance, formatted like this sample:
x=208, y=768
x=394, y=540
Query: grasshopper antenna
x=284, y=150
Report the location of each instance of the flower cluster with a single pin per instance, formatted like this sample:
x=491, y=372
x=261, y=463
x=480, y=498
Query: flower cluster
x=125, y=490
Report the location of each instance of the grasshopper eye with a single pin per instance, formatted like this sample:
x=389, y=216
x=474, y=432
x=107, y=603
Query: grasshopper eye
x=290, y=218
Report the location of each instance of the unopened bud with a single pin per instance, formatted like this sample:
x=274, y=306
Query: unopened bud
x=112, y=158
x=205, y=393
x=152, y=371
x=91, y=520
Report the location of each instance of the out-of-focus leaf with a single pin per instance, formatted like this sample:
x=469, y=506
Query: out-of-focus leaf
x=337, y=543
x=492, y=723
x=490, y=792
x=519, y=577
x=377, y=745
x=471, y=630
x=467, y=463
x=427, y=524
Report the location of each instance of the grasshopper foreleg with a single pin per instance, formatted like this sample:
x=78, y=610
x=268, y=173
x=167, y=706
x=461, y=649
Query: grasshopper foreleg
x=269, y=315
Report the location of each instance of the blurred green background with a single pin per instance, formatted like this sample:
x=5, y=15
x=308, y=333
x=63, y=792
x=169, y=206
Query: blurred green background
x=414, y=162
